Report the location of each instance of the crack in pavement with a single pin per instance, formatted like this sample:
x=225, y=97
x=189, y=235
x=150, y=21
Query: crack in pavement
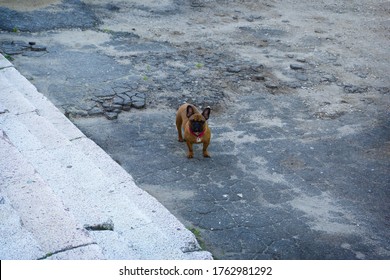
x=69, y=248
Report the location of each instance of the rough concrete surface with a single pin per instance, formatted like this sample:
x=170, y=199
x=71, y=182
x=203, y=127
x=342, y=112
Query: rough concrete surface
x=300, y=122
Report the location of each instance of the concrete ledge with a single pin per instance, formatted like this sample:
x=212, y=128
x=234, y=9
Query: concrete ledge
x=40, y=212
x=12, y=82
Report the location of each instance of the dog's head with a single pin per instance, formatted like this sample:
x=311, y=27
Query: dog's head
x=197, y=121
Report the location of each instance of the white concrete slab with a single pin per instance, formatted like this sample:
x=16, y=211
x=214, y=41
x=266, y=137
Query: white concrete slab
x=16, y=242
x=11, y=80
x=41, y=212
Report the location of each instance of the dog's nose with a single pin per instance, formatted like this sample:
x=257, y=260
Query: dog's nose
x=197, y=127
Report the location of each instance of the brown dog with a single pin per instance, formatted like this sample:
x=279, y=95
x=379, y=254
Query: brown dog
x=195, y=127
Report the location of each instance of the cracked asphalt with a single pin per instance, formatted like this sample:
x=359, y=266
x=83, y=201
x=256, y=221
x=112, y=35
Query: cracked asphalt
x=300, y=147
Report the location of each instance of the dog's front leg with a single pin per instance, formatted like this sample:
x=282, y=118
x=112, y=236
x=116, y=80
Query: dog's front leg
x=205, y=145
x=190, y=151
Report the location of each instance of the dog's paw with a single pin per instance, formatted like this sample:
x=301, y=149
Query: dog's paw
x=206, y=155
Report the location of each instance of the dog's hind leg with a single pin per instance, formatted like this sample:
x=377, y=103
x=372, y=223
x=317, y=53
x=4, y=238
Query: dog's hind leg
x=179, y=122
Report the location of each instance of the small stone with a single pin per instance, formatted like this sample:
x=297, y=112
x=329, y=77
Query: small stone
x=141, y=95
x=38, y=48
x=257, y=68
x=138, y=100
x=271, y=85
x=257, y=78
x=234, y=69
x=197, y=3
x=111, y=115
x=328, y=78
x=138, y=104
x=319, y=31
x=126, y=107
x=296, y=66
x=354, y=89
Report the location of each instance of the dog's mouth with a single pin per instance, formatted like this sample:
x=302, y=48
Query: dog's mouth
x=197, y=127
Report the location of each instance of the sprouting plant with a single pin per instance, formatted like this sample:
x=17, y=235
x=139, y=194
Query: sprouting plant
x=198, y=236
x=10, y=58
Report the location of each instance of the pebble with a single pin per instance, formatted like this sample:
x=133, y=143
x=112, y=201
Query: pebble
x=258, y=78
x=328, y=78
x=257, y=68
x=234, y=69
x=138, y=101
x=354, y=89
x=296, y=66
x=271, y=85
x=138, y=104
x=111, y=115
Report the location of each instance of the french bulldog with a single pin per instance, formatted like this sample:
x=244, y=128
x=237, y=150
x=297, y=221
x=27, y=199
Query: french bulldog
x=194, y=124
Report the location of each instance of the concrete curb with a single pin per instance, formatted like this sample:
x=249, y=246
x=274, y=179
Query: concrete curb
x=63, y=197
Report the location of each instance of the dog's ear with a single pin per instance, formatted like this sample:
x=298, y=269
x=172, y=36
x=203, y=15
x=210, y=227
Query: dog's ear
x=190, y=111
x=206, y=113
